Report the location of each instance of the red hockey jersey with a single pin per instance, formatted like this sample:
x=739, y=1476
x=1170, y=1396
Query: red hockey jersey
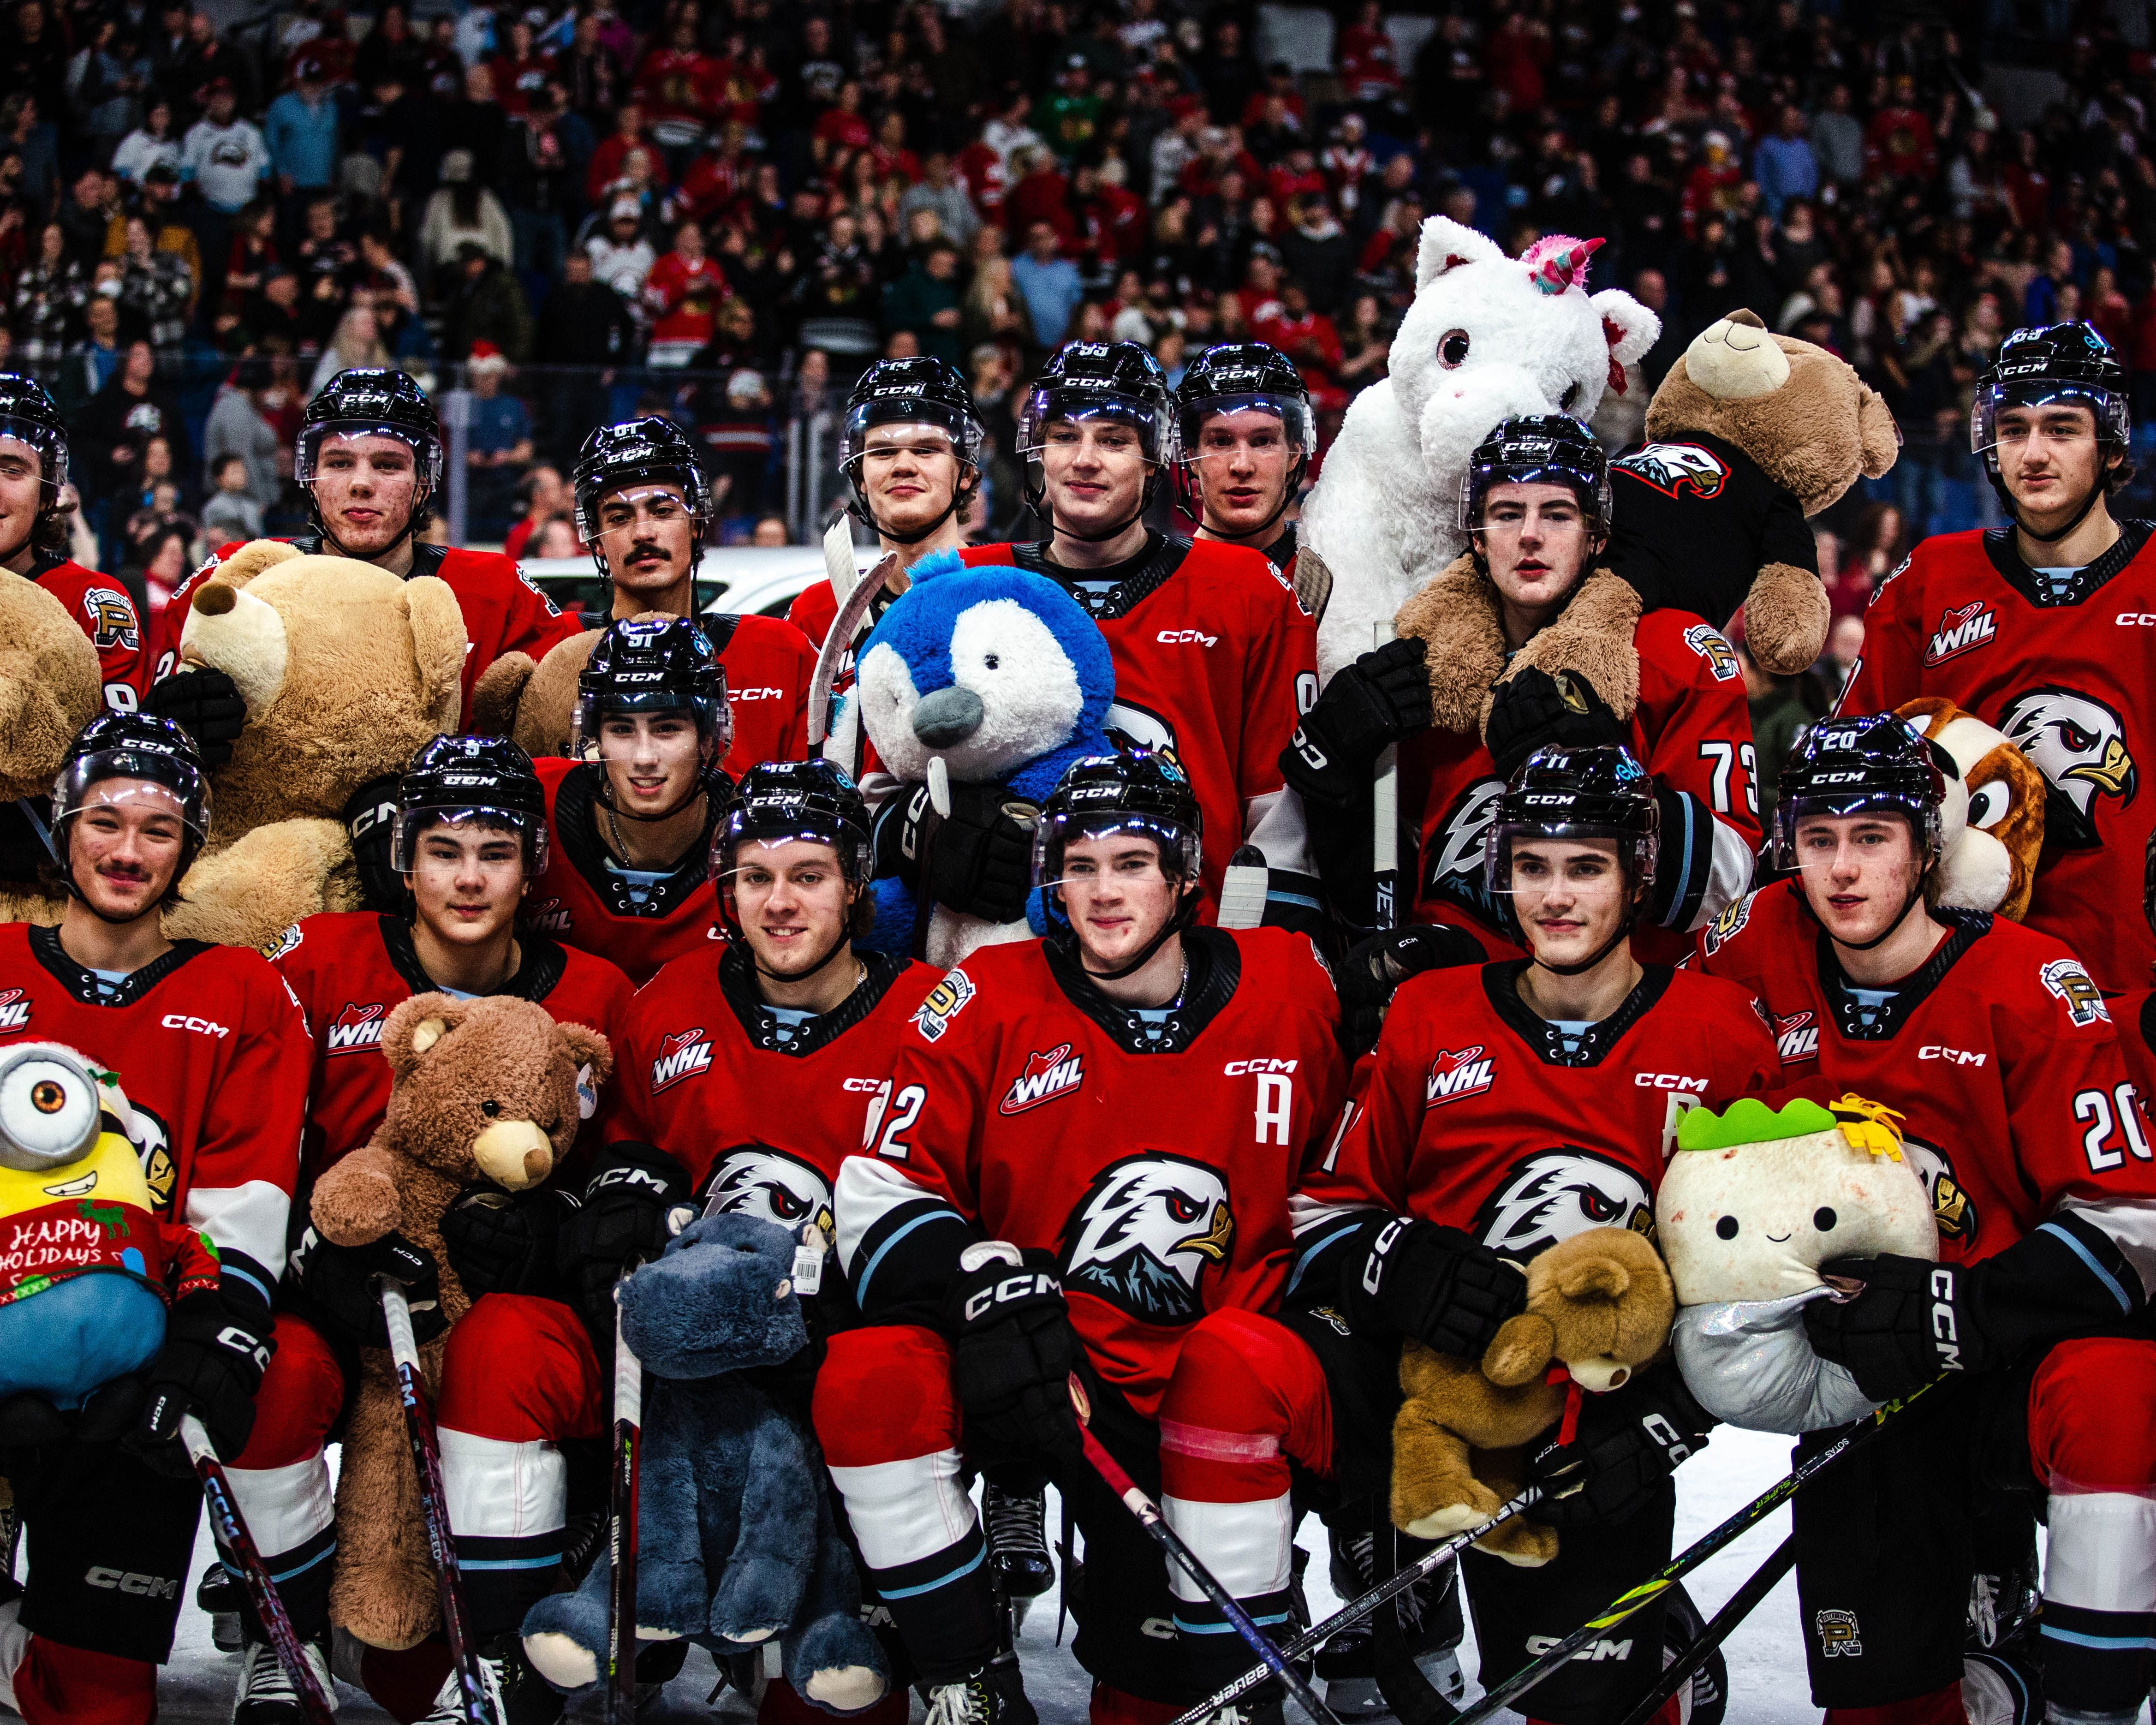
x=580, y=900
x=1692, y=729
x=107, y=613
x=2067, y=680
x=350, y=968
x=1026, y=1102
x=2135, y=1016
x=211, y=1051
x=1478, y=1115
x=1215, y=659
x=757, y=1123
x=504, y=613
x=1999, y=1050
x=769, y=665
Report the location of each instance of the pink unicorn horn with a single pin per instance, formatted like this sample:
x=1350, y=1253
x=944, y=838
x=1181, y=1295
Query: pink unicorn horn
x=1565, y=259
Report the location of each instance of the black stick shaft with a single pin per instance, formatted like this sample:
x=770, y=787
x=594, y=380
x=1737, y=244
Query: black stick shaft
x=1739, y=1606
x=621, y=1596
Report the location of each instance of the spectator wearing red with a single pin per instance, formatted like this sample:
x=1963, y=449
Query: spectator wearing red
x=679, y=87
x=1111, y=220
x=1899, y=143
x=1348, y=163
x=1366, y=62
x=521, y=70
x=1279, y=89
x=986, y=179
x=547, y=498
x=841, y=126
x=1040, y=193
x=718, y=181
x=629, y=134
x=1297, y=176
x=1519, y=49
x=682, y=294
x=1714, y=186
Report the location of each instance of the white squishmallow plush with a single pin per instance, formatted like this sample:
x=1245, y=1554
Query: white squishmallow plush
x=1754, y=1200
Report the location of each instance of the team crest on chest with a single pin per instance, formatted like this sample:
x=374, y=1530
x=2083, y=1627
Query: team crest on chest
x=757, y=1180
x=355, y=1029
x=1963, y=628
x=1047, y=1076
x=1454, y=869
x=1456, y=1073
x=2078, y=743
x=681, y=1055
x=1727, y=925
x=14, y=1011
x=1674, y=469
x=111, y=619
x=1558, y=1193
x=1144, y=1232
x=153, y=1147
x=2076, y=989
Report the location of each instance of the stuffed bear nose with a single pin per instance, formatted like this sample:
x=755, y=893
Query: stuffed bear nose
x=947, y=716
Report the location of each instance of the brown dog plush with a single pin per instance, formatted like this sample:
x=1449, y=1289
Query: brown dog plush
x=480, y=1090
x=1599, y=1306
x=1991, y=827
x=50, y=687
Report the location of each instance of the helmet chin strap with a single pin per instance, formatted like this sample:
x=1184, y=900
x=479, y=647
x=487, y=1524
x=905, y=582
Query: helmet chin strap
x=1259, y=532
x=844, y=943
x=1185, y=913
x=961, y=495
x=321, y=526
x=2096, y=493
x=1036, y=499
x=1623, y=931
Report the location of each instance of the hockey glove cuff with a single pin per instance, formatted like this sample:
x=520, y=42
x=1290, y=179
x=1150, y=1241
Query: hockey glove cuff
x=1370, y=971
x=370, y=820
x=339, y=1283
x=508, y=1243
x=1015, y=1350
x=212, y=1364
x=637, y=1200
x=1436, y=1285
x=206, y=704
x=1627, y=1445
x=978, y=858
x=1380, y=698
x=1536, y=709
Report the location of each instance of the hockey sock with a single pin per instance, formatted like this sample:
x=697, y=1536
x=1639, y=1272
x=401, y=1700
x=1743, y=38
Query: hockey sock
x=57, y=1685
x=1942, y=1706
x=1111, y=1706
x=290, y=1513
x=508, y=1508
x=938, y=1590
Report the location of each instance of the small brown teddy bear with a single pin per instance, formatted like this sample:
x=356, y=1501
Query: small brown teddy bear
x=1600, y=1305
x=532, y=702
x=483, y=1089
x=346, y=670
x=50, y=687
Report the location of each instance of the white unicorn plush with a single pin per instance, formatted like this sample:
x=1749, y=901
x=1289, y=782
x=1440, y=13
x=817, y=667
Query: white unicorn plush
x=1487, y=337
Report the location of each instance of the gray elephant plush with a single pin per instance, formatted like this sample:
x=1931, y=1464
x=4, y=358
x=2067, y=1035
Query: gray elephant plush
x=736, y=1541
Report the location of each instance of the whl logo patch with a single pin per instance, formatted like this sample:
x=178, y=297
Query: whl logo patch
x=1453, y=1075
x=681, y=1055
x=1046, y=1076
x=1963, y=628
x=14, y=1011
x=1796, y=1037
x=355, y=1028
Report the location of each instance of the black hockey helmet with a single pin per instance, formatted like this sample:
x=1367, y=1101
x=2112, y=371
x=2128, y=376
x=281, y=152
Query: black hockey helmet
x=486, y=781
x=27, y=416
x=1232, y=376
x=1875, y=764
x=153, y=752
x=370, y=401
x=778, y=801
x=652, y=665
x=2066, y=364
x=1144, y=792
x=1099, y=380
x=1599, y=791
x=650, y=451
x=1538, y=449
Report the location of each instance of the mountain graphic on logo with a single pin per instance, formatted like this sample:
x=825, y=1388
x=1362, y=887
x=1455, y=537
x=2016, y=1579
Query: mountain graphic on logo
x=1139, y=1283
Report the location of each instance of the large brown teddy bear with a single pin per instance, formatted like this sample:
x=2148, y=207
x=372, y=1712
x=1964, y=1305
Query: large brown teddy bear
x=483, y=1089
x=532, y=702
x=1599, y=1304
x=50, y=687
x=345, y=670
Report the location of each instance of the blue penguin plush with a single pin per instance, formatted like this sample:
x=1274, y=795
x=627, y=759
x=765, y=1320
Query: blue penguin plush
x=735, y=1539
x=999, y=674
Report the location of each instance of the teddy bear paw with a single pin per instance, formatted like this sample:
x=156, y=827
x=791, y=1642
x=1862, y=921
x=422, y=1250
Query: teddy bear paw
x=1526, y=1545
x=846, y=1688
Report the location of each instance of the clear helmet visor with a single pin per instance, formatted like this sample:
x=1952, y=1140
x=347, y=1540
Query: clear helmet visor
x=27, y=446
x=467, y=836
x=874, y=428
x=2009, y=412
x=135, y=781
x=1215, y=427
x=1051, y=406
x=1518, y=857
x=611, y=728
x=1591, y=490
x=1920, y=818
x=609, y=521
x=733, y=850
x=1174, y=849
x=335, y=442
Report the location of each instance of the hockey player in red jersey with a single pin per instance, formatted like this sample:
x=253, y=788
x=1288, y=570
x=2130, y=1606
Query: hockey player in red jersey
x=1998, y=1048
x=1244, y=440
x=2135, y=1012
x=2038, y=628
x=644, y=507
x=633, y=806
x=1085, y=1144
x=1535, y=507
x=520, y=1375
x=33, y=470
x=209, y=1049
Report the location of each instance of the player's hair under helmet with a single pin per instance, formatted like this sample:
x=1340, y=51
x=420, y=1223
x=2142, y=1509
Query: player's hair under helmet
x=1098, y=380
x=779, y=802
x=2070, y=365
x=919, y=390
x=1538, y=449
x=163, y=769
x=650, y=451
x=651, y=664
x=1144, y=793
x=371, y=401
x=1580, y=793
x=28, y=418
x=1878, y=764
x=1238, y=377
x=470, y=781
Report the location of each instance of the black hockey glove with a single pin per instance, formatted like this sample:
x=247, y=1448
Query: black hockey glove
x=338, y=1283
x=1370, y=971
x=508, y=1243
x=216, y=1350
x=1012, y=1362
x=1437, y=1285
x=1627, y=1444
x=370, y=819
x=206, y=704
x=1380, y=698
x=638, y=1199
x=1537, y=710
x=978, y=857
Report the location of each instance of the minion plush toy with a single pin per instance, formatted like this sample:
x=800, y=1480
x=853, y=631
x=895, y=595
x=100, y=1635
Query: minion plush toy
x=87, y=1269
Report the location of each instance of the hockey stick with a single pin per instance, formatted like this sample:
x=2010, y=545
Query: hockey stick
x=433, y=1501
x=1356, y=1610
x=839, y=642
x=244, y=1558
x=1685, y=1666
x=621, y=1490
x=1385, y=818
x=1652, y=1588
x=1150, y=1518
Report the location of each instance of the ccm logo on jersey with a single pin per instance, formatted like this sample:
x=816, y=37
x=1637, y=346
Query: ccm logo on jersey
x=1952, y=1056
x=1186, y=637
x=1796, y=1037
x=1453, y=1075
x=131, y=1581
x=357, y=1027
x=14, y=1010
x=681, y=1055
x=1667, y=1080
x=871, y=1085
x=1963, y=628
x=1236, y=1069
x=206, y=1026
x=756, y=694
x=2076, y=988
x=1047, y=1077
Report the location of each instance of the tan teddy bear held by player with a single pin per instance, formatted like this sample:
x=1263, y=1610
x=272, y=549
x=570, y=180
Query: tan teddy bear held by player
x=50, y=689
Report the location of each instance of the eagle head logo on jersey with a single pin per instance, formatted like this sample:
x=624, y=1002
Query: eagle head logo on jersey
x=1674, y=469
x=2079, y=745
x=1143, y=1233
x=1455, y=872
x=1133, y=726
x=1557, y=1193
x=153, y=1144
x=1953, y=1210
x=1713, y=646
x=757, y=1180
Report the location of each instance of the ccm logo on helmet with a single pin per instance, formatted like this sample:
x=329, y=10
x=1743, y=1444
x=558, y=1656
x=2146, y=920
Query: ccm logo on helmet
x=1667, y=1080
x=180, y=1021
x=1184, y=637
x=1952, y=1056
x=1236, y=1069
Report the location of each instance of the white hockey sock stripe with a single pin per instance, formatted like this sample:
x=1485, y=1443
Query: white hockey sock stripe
x=288, y=1509
x=1249, y=1546
x=499, y=1490
x=2102, y=1551
x=902, y=1512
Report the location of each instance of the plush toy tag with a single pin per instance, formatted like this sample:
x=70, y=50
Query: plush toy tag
x=587, y=1093
x=809, y=1260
